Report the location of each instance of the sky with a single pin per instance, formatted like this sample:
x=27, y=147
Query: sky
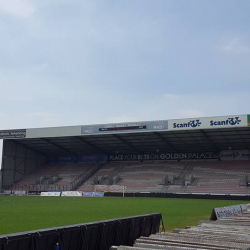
x=76, y=62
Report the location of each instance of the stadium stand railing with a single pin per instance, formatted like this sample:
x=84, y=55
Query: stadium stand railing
x=86, y=175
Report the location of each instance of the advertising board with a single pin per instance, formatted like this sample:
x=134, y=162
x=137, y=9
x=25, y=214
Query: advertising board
x=208, y=122
x=72, y=193
x=99, y=194
x=20, y=192
x=225, y=155
x=222, y=212
x=50, y=194
x=88, y=194
x=165, y=156
x=231, y=155
x=93, y=194
x=79, y=158
x=12, y=134
x=125, y=127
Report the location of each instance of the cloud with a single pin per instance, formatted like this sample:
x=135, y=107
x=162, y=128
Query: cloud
x=122, y=118
x=236, y=46
x=18, y=98
x=40, y=114
x=190, y=105
x=185, y=104
x=20, y=8
x=191, y=113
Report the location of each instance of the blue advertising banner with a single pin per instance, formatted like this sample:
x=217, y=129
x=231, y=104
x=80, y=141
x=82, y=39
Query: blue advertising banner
x=88, y=194
x=99, y=194
x=80, y=159
x=93, y=194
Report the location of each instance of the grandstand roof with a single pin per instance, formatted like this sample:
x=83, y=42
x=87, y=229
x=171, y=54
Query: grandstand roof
x=182, y=135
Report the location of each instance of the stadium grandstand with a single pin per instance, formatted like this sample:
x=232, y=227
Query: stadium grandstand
x=208, y=155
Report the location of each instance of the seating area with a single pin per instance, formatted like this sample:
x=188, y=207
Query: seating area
x=136, y=176
x=215, y=177
x=51, y=169
x=147, y=177
x=210, y=177
x=71, y=171
x=220, y=177
x=65, y=174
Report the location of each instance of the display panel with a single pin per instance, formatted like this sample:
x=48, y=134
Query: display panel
x=122, y=128
x=125, y=127
x=12, y=134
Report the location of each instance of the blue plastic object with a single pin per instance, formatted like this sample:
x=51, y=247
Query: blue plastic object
x=57, y=247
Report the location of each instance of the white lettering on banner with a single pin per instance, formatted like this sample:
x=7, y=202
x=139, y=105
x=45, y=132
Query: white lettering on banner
x=158, y=127
x=12, y=134
x=93, y=194
x=125, y=127
x=165, y=156
x=208, y=122
x=20, y=192
x=121, y=125
x=50, y=194
x=90, y=130
x=72, y=193
x=172, y=156
x=129, y=157
x=235, y=155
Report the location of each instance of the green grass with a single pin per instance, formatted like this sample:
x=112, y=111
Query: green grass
x=29, y=213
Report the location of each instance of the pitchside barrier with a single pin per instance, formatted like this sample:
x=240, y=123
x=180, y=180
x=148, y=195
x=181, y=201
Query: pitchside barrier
x=72, y=194
x=50, y=194
x=100, y=235
x=185, y=196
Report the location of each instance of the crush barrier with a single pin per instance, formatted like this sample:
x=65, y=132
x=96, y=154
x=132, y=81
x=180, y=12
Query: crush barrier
x=100, y=235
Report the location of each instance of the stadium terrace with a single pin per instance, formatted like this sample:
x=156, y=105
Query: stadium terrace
x=205, y=155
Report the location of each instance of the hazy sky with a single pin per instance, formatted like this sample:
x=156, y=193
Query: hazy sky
x=72, y=62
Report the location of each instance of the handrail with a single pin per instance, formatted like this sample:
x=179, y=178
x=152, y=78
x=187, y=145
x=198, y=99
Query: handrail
x=86, y=175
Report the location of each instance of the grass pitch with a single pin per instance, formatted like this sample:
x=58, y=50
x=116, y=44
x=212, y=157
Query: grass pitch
x=26, y=213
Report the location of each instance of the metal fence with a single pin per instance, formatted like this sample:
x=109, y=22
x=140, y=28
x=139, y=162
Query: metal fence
x=89, y=236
